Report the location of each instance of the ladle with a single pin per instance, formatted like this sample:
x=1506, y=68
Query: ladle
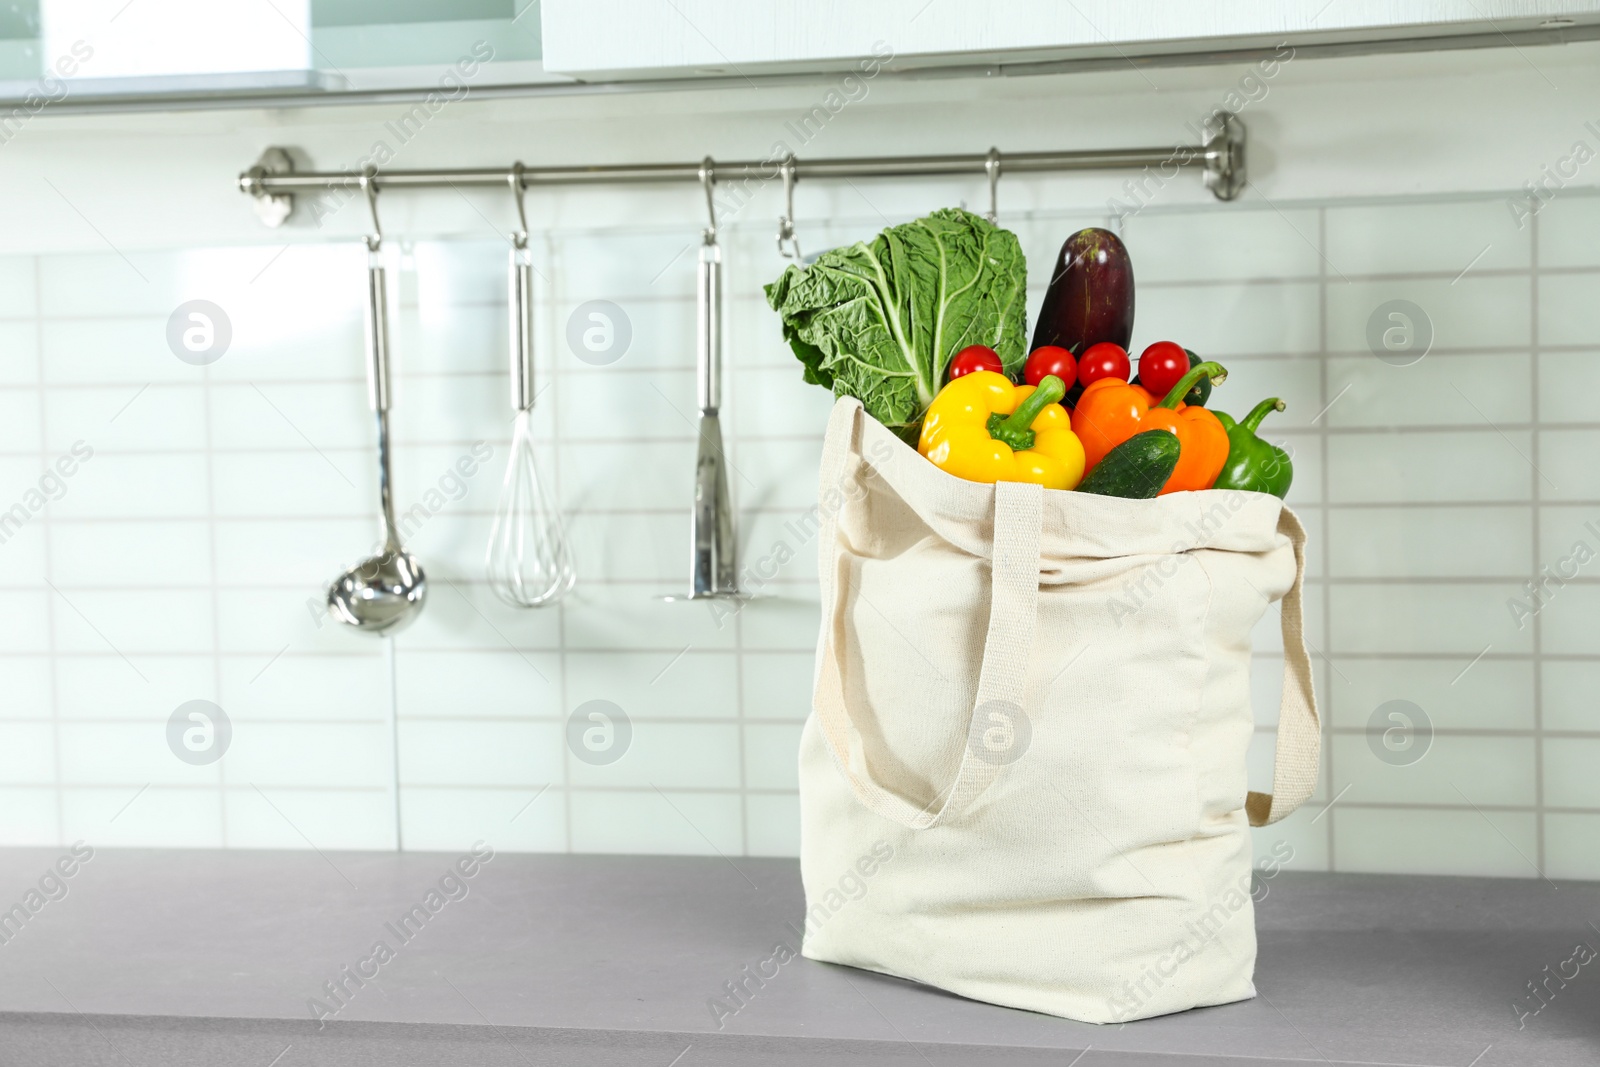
x=383, y=593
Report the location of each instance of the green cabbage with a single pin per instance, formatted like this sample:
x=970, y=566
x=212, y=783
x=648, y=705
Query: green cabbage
x=881, y=321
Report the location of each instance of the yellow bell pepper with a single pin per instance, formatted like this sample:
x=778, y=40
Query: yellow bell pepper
x=983, y=428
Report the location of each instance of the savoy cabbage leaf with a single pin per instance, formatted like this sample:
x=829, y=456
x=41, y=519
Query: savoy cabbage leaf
x=881, y=321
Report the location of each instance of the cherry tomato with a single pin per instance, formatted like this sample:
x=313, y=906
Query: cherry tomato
x=1050, y=359
x=1104, y=360
x=1160, y=367
x=975, y=357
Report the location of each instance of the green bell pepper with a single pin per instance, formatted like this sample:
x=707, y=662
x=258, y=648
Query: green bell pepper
x=1253, y=464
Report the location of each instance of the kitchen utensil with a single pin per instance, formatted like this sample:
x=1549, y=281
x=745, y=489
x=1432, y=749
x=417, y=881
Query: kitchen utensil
x=711, y=526
x=383, y=593
x=788, y=243
x=528, y=560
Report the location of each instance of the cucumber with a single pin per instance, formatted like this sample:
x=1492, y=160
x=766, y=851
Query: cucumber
x=1137, y=468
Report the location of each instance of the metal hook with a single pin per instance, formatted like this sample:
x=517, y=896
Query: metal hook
x=788, y=243
x=991, y=167
x=519, y=239
x=369, y=185
x=708, y=178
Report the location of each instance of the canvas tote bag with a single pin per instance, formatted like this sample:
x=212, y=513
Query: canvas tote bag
x=1023, y=778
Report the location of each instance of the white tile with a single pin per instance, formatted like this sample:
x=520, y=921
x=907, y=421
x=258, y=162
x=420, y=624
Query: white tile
x=625, y=267
x=634, y=617
x=1205, y=246
x=18, y=288
x=624, y=406
x=513, y=820
x=1404, y=542
x=1444, y=466
x=462, y=616
x=19, y=420
x=1266, y=688
x=97, y=554
x=647, y=822
x=494, y=684
x=788, y=620
x=19, y=340
x=1564, y=534
x=1567, y=621
x=126, y=417
x=774, y=824
x=1566, y=382
x=297, y=416
x=778, y=549
x=27, y=753
x=660, y=334
x=1219, y=321
x=127, y=753
x=106, y=351
x=1426, y=238
x=23, y=621
x=1488, y=694
x=1568, y=314
x=1566, y=225
x=1564, y=470
x=123, y=486
x=777, y=685
x=263, y=623
x=480, y=753
x=332, y=482
x=104, y=686
x=622, y=474
x=138, y=817
x=307, y=818
x=667, y=755
x=1390, y=841
x=777, y=473
x=1468, y=390
x=23, y=552
x=26, y=681
x=1473, y=312
x=28, y=817
x=1569, y=846
x=775, y=402
x=1569, y=772
x=450, y=479
x=132, y=623
x=772, y=755
x=657, y=685
x=338, y=754
x=306, y=687
x=1412, y=617
x=1486, y=770
x=1569, y=694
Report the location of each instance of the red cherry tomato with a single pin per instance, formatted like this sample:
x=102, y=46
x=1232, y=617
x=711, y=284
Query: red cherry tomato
x=1104, y=360
x=1047, y=360
x=975, y=357
x=1160, y=367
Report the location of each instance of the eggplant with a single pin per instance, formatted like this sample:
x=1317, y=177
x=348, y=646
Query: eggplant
x=1090, y=298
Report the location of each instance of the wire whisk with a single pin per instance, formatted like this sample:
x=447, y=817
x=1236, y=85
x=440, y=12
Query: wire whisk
x=529, y=561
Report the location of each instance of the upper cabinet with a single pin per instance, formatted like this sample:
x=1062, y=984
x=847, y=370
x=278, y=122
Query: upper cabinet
x=612, y=39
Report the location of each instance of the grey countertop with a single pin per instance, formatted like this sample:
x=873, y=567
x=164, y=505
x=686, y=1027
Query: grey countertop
x=187, y=957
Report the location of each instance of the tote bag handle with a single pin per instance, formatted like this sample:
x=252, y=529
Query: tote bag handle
x=1299, y=750
x=1013, y=611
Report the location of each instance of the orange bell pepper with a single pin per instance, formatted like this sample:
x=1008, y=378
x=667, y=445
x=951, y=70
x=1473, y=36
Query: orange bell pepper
x=1110, y=411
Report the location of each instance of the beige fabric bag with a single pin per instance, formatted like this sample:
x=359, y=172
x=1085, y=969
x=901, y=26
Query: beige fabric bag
x=1023, y=778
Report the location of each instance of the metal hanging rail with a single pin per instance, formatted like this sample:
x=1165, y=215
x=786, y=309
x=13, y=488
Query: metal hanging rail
x=273, y=181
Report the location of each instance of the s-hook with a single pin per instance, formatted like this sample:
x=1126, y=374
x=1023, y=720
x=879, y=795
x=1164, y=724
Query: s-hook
x=708, y=179
x=991, y=167
x=788, y=243
x=369, y=185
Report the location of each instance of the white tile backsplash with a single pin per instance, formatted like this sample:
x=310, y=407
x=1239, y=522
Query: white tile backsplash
x=186, y=558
